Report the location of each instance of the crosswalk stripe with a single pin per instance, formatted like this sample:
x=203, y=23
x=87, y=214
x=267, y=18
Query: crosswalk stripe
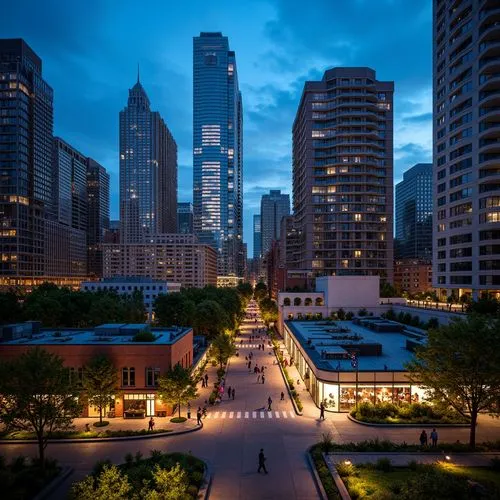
x=216, y=414
x=238, y=415
x=254, y=414
x=261, y=414
x=223, y=415
x=270, y=414
x=292, y=414
x=285, y=415
x=246, y=414
x=231, y=413
x=277, y=413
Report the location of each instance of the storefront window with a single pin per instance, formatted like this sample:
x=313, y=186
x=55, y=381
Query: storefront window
x=402, y=394
x=366, y=394
x=331, y=396
x=418, y=394
x=347, y=397
x=383, y=395
x=138, y=405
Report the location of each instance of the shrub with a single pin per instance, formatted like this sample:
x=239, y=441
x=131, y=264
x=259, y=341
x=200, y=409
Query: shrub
x=495, y=463
x=349, y=315
x=99, y=466
x=384, y=464
x=214, y=362
x=197, y=478
x=341, y=314
x=144, y=336
x=432, y=323
x=129, y=459
x=220, y=372
x=326, y=442
x=362, y=312
x=345, y=469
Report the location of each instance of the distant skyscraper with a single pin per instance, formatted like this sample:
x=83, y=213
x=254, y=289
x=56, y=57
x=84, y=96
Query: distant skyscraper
x=98, y=215
x=218, y=151
x=466, y=117
x=343, y=174
x=257, y=242
x=273, y=207
x=25, y=162
x=148, y=171
x=185, y=217
x=414, y=213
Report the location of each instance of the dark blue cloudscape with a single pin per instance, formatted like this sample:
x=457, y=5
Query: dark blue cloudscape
x=90, y=52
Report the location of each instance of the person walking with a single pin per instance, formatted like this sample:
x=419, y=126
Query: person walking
x=198, y=416
x=249, y=364
x=269, y=403
x=232, y=394
x=434, y=438
x=263, y=378
x=206, y=379
x=258, y=378
x=229, y=392
x=262, y=461
x=423, y=439
x=282, y=396
x=322, y=411
x=151, y=424
x=189, y=410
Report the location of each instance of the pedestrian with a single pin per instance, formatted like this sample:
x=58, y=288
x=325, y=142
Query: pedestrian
x=249, y=364
x=232, y=394
x=263, y=378
x=255, y=369
x=258, y=378
x=322, y=411
x=434, y=438
x=423, y=438
x=282, y=396
x=246, y=358
x=229, y=392
x=151, y=424
x=269, y=403
x=204, y=412
x=262, y=461
x=206, y=379
x=189, y=410
x=198, y=416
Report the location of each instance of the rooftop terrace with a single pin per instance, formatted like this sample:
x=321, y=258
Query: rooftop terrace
x=328, y=344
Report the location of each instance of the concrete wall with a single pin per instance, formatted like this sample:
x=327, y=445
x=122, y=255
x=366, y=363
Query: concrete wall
x=349, y=292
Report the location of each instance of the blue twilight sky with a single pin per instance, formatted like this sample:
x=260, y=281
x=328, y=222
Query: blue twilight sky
x=90, y=50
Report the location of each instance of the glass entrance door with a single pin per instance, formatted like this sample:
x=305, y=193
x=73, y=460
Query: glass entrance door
x=150, y=407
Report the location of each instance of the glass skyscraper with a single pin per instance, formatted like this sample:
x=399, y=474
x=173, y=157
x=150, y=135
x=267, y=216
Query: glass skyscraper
x=26, y=121
x=414, y=213
x=218, y=151
x=273, y=207
x=257, y=235
x=148, y=171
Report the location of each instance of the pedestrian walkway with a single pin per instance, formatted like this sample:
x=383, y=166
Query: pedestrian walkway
x=257, y=414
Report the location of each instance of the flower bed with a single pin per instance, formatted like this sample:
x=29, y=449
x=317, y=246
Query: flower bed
x=414, y=413
x=22, y=435
x=382, y=480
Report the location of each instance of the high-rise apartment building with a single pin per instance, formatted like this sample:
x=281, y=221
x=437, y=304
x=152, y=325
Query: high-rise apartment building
x=343, y=174
x=185, y=217
x=98, y=215
x=466, y=239
x=26, y=122
x=148, y=171
x=414, y=214
x=257, y=252
x=218, y=151
x=273, y=207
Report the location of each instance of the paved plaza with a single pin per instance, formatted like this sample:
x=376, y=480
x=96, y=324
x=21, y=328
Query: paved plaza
x=235, y=430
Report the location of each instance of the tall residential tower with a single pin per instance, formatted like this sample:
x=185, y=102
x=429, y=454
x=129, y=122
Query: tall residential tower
x=218, y=151
x=273, y=207
x=343, y=174
x=148, y=171
x=466, y=246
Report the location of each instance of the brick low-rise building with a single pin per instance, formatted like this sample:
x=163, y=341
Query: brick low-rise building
x=413, y=276
x=139, y=364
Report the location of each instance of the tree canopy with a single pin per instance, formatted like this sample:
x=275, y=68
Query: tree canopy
x=177, y=387
x=37, y=395
x=459, y=366
x=222, y=348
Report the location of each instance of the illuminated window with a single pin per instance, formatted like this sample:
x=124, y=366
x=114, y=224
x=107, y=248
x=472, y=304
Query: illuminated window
x=357, y=253
x=344, y=263
x=357, y=217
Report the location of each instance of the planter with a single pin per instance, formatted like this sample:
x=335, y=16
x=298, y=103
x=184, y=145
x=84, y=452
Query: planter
x=418, y=425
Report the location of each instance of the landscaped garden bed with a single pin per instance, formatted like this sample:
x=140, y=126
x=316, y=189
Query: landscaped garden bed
x=414, y=413
x=441, y=480
x=24, y=478
x=22, y=435
x=167, y=476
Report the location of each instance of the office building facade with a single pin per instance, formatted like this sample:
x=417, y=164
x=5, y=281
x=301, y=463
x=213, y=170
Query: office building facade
x=148, y=171
x=218, y=151
x=273, y=207
x=343, y=174
x=466, y=239
x=185, y=217
x=414, y=213
x=98, y=215
x=257, y=235
x=26, y=124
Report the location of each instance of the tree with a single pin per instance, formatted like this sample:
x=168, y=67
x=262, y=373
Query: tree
x=10, y=309
x=174, y=309
x=222, y=348
x=387, y=290
x=134, y=310
x=100, y=382
x=245, y=290
x=177, y=387
x=260, y=291
x=37, y=396
x=459, y=366
x=485, y=305
x=168, y=484
x=110, y=484
x=210, y=318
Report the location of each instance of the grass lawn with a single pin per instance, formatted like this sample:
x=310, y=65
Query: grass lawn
x=448, y=481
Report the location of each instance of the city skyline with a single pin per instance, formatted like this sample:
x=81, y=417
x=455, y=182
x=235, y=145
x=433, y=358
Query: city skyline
x=273, y=67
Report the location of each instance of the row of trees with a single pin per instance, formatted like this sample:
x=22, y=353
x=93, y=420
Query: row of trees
x=209, y=310
x=39, y=395
x=62, y=307
x=267, y=306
